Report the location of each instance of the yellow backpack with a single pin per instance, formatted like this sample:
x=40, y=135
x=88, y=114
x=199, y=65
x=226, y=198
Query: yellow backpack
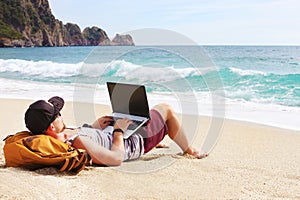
x=36, y=151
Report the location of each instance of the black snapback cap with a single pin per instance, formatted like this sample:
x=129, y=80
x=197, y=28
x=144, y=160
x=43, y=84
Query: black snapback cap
x=41, y=114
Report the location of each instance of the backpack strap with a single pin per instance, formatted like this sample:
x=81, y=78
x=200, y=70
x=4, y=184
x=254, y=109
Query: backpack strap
x=76, y=164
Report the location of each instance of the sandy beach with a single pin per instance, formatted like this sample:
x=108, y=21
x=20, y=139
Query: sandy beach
x=250, y=161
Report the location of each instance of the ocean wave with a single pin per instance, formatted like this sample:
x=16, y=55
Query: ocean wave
x=155, y=74
x=235, y=76
x=117, y=68
x=243, y=72
x=249, y=85
x=148, y=73
x=252, y=72
x=38, y=68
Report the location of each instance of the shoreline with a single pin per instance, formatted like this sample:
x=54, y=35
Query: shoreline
x=249, y=161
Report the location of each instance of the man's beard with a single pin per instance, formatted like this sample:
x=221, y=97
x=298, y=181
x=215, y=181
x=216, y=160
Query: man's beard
x=64, y=127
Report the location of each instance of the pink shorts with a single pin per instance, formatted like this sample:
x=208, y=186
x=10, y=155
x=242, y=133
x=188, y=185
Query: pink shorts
x=154, y=132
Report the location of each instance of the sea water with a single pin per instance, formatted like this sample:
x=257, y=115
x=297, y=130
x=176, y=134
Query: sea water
x=251, y=83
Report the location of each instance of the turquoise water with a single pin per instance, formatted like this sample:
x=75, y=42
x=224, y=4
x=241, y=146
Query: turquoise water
x=260, y=74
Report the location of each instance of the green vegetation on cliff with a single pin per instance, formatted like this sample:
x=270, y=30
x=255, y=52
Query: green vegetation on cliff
x=11, y=17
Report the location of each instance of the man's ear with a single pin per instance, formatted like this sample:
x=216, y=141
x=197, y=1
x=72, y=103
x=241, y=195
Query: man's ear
x=51, y=131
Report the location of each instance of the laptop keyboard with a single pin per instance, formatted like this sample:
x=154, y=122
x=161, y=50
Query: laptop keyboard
x=131, y=126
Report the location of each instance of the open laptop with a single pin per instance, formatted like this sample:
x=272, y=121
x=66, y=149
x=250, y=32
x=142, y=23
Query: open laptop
x=129, y=101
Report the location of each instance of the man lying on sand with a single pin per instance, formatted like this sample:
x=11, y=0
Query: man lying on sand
x=108, y=148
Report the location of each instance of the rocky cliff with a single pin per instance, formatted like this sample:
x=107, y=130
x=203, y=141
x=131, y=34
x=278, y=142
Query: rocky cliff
x=25, y=23
x=122, y=40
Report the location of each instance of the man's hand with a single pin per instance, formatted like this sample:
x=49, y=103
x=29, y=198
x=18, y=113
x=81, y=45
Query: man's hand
x=122, y=124
x=103, y=122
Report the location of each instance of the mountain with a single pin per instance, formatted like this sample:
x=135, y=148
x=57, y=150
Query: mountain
x=27, y=23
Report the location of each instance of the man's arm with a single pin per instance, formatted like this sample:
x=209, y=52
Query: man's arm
x=103, y=122
x=101, y=155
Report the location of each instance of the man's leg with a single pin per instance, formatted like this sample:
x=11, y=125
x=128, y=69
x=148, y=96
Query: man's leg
x=176, y=132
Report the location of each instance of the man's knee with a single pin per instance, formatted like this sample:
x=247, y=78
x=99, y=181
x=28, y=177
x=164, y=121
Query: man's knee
x=163, y=106
x=164, y=109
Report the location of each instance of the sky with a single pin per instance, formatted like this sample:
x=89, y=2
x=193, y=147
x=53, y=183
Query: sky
x=206, y=22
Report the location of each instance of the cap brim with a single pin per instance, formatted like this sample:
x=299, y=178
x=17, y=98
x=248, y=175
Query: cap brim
x=57, y=101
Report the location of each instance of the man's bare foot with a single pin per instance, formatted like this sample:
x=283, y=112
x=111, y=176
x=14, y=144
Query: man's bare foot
x=200, y=156
x=194, y=152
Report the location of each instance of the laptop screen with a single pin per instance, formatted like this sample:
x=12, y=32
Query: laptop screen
x=128, y=99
